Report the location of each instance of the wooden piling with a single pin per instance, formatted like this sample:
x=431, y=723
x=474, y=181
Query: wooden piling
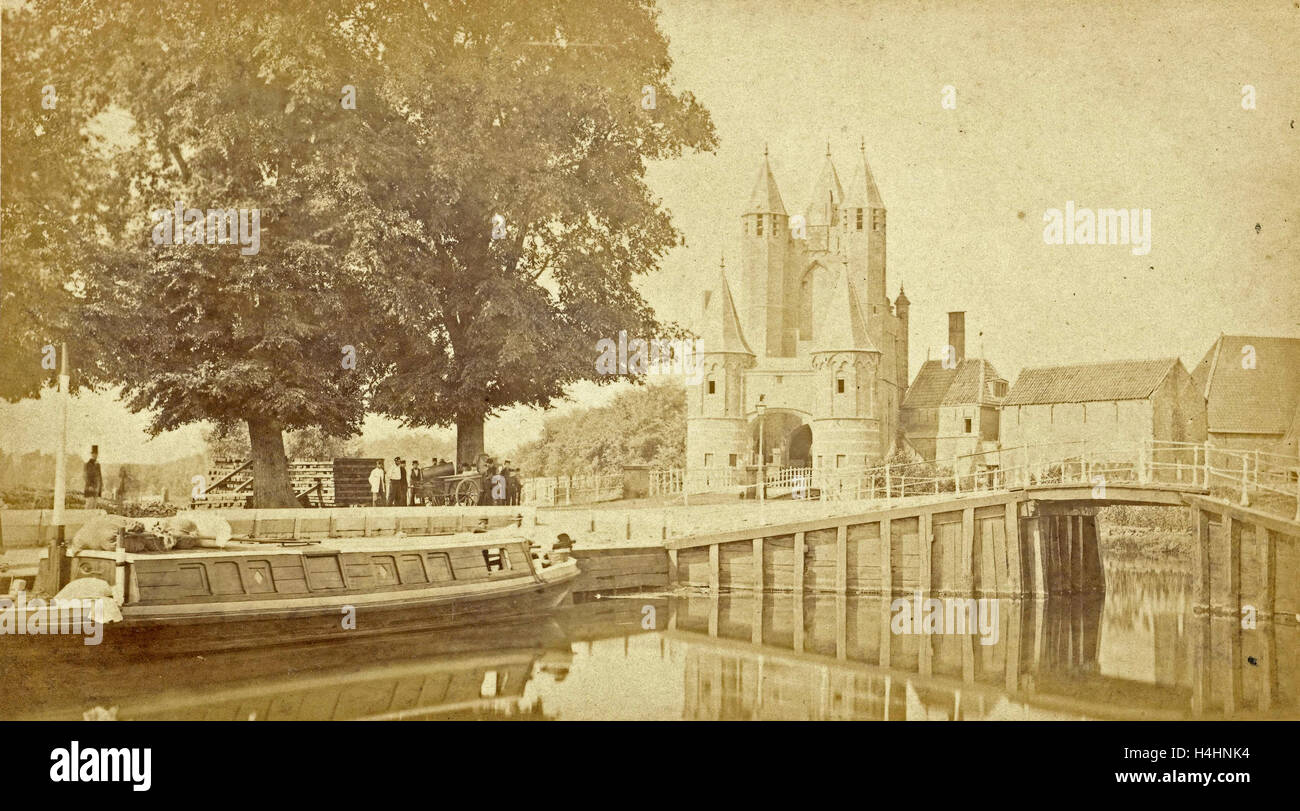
x=967, y=563
x=925, y=537
x=1011, y=536
x=886, y=558
x=1201, y=523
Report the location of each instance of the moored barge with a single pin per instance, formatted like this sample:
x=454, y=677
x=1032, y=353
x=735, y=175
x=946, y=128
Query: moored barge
x=252, y=593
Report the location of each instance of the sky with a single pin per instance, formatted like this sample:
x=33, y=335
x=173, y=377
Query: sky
x=1110, y=104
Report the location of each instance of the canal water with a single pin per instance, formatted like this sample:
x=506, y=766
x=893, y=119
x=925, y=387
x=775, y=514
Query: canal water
x=1139, y=653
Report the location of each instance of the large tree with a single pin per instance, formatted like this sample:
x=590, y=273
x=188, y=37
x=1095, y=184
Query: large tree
x=48, y=218
x=239, y=111
x=378, y=142
x=533, y=125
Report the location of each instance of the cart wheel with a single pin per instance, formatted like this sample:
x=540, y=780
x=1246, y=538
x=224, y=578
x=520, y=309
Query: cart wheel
x=467, y=492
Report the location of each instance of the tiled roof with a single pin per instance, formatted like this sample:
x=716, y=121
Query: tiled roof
x=1260, y=400
x=930, y=385
x=935, y=385
x=1089, y=382
x=966, y=387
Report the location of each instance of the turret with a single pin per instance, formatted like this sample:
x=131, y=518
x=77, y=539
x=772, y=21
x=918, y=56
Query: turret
x=864, y=226
x=716, y=431
x=902, y=305
x=847, y=430
x=765, y=241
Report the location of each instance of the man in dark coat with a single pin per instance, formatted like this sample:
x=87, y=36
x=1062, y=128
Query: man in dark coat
x=94, y=480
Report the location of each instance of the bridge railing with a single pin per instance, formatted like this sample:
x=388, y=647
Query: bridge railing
x=1199, y=466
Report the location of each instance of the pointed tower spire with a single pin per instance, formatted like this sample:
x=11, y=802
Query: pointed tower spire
x=720, y=325
x=765, y=199
x=862, y=191
x=828, y=194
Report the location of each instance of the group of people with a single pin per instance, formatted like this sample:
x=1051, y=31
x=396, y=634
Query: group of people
x=502, y=485
x=399, y=485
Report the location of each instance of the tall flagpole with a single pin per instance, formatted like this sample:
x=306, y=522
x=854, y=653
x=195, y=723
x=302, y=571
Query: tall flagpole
x=60, y=476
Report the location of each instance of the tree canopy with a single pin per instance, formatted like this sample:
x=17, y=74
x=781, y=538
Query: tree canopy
x=451, y=202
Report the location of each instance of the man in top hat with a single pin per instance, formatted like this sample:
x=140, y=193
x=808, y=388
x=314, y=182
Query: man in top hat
x=414, y=482
x=94, y=479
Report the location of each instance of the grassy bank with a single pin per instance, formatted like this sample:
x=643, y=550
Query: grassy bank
x=1157, y=534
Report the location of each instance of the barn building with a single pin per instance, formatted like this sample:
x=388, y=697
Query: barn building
x=1111, y=403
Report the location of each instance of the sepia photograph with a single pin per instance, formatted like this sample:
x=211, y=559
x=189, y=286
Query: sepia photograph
x=649, y=360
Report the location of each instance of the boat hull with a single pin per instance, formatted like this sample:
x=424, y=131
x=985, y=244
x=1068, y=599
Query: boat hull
x=237, y=629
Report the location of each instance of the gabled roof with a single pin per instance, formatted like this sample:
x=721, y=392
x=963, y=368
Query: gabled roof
x=862, y=191
x=827, y=195
x=935, y=386
x=971, y=383
x=1089, y=382
x=840, y=325
x=1261, y=400
x=765, y=199
x=720, y=326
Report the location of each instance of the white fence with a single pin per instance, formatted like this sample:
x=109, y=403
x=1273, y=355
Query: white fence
x=555, y=491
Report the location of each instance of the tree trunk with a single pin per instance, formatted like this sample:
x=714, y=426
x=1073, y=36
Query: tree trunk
x=271, y=487
x=469, y=439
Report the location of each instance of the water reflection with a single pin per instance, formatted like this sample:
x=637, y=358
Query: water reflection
x=1139, y=653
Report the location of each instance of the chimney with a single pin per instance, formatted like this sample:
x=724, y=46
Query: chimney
x=957, y=335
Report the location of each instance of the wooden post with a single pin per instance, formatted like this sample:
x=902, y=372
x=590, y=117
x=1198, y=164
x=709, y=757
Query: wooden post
x=714, y=572
x=841, y=559
x=886, y=558
x=1076, y=547
x=1245, y=496
x=798, y=564
x=672, y=567
x=1011, y=533
x=1233, y=528
x=968, y=550
x=889, y=484
x=1268, y=564
x=1201, y=525
x=925, y=537
x=119, y=568
x=841, y=626
x=1038, y=559
x=757, y=577
x=756, y=610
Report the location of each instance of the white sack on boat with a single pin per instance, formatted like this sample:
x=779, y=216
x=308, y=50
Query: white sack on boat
x=90, y=589
x=100, y=532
